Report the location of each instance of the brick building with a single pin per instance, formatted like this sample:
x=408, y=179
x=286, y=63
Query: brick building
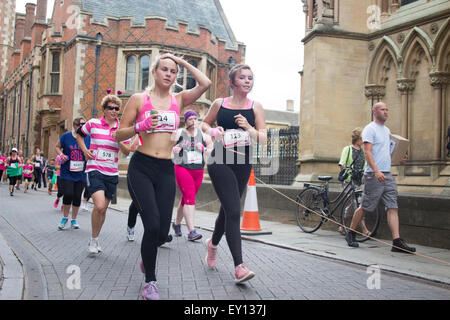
x=61, y=69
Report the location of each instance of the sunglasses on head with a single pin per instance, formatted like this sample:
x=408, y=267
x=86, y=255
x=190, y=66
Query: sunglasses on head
x=112, y=108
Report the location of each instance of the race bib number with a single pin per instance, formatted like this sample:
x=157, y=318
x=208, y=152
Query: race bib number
x=76, y=166
x=166, y=121
x=194, y=157
x=236, y=138
x=106, y=155
x=37, y=164
x=27, y=171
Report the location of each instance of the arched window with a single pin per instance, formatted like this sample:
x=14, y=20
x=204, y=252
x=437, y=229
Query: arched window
x=130, y=81
x=144, y=67
x=185, y=80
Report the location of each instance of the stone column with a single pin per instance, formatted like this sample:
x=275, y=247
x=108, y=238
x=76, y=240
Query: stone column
x=395, y=4
x=375, y=93
x=439, y=81
x=405, y=86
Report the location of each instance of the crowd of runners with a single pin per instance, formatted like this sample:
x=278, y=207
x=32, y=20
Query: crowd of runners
x=164, y=156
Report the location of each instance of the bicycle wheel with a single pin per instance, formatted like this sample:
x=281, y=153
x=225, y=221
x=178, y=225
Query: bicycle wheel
x=309, y=207
x=368, y=225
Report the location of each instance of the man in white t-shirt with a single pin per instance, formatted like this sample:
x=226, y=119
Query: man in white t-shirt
x=379, y=184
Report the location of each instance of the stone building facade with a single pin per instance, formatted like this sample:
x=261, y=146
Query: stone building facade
x=360, y=52
x=65, y=65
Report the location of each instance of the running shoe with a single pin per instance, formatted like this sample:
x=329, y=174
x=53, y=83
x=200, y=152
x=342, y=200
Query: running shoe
x=243, y=274
x=351, y=239
x=130, y=234
x=212, y=254
x=74, y=224
x=168, y=239
x=55, y=204
x=150, y=291
x=399, y=244
x=11, y=193
x=94, y=246
x=62, y=223
x=177, y=229
x=193, y=235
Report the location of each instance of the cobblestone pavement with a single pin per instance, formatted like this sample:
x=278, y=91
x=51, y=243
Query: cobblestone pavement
x=29, y=222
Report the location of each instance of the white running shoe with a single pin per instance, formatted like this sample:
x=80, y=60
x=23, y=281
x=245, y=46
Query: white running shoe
x=130, y=234
x=94, y=246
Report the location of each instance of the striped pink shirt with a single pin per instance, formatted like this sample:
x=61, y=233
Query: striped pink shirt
x=105, y=148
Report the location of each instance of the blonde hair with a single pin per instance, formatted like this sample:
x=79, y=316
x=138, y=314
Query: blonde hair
x=153, y=67
x=111, y=98
x=356, y=135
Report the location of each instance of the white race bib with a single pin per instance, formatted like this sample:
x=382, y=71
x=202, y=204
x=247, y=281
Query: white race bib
x=236, y=138
x=37, y=164
x=27, y=171
x=194, y=157
x=106, y=155
x=166, y=121
x=76, y=166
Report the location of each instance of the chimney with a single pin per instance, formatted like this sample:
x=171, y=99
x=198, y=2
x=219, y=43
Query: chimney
x=41, y=11
x=290, y=105
x=30, y=8
x=19, y=32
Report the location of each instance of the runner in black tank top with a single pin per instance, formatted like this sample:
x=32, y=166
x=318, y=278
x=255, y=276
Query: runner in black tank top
x=241, y=123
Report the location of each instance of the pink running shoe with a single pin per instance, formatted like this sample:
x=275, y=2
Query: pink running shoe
x=150, y=291
x=212, y=254
x=243, y=274
x=55, y=204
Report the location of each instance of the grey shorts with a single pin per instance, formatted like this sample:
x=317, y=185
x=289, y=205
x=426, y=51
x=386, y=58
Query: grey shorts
x=375, y=190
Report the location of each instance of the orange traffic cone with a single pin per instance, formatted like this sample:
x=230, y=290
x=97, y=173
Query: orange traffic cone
x=250, y=220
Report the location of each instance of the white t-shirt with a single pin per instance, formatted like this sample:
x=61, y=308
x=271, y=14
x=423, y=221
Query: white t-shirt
x=379, y=136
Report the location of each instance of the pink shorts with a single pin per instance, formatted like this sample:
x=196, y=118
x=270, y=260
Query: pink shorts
x=189, y=182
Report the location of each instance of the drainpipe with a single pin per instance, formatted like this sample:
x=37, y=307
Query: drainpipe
x=20, y=113
x=99, y=38
x=14, y=109
x=29, y=110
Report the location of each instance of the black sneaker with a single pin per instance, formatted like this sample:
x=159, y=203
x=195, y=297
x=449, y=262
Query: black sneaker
x=351, y=239
x=168, y=239
x=399, y=244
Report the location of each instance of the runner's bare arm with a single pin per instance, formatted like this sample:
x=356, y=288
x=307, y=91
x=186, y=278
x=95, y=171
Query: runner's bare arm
x=130, y=113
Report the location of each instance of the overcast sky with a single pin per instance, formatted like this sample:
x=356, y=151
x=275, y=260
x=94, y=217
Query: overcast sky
x=272, y=32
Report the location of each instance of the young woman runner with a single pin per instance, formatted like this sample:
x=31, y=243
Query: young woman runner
x=240, y=122
x=151, y=175
x=189, y=162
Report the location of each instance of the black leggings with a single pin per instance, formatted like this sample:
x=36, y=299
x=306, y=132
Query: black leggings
x=132, y=215
x=60, y=187
x=72, y=191
x=229, y=181
x=37, y=176
x=151, y=183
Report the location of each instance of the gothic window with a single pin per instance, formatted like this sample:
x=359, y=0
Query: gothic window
x=405, y=2
x=211, y=74
x=137, y=72
x=144, y=68
x=131, y=73
x=185, y=80
x=55, y=72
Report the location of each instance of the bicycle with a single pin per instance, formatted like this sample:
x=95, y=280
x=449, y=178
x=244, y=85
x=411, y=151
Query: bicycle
x=314, y=207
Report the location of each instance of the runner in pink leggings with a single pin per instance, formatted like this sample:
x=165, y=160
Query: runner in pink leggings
x=189, y=158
